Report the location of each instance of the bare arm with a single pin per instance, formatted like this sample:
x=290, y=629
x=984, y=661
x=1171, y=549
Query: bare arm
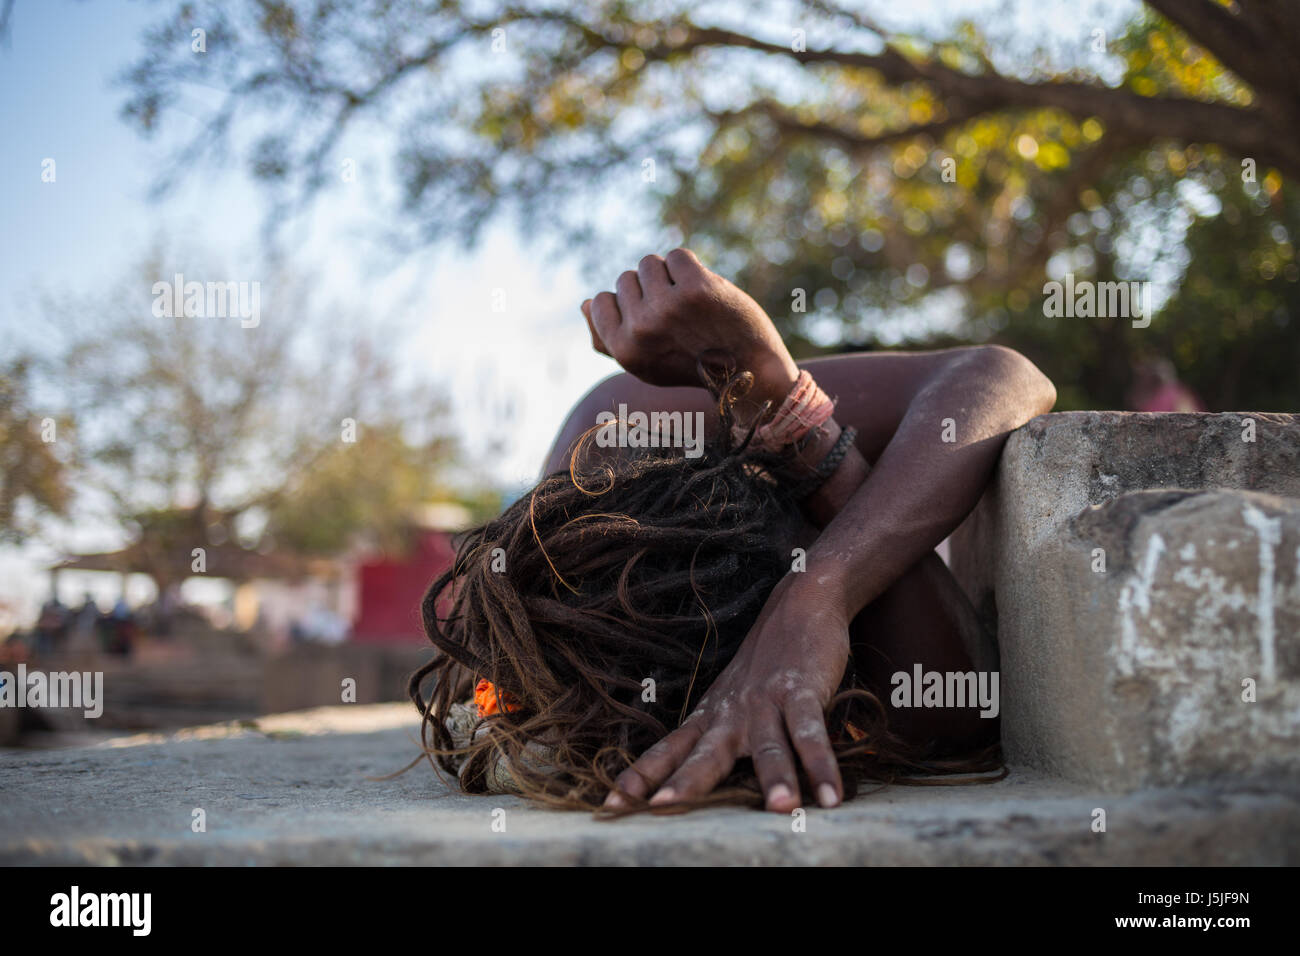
x=872, y=390
x=892, y=399
x=928, y=477
x=936, y=422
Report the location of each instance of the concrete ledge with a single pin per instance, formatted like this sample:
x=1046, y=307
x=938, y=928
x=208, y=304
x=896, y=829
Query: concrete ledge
x=1136, y=576
x=292, y=789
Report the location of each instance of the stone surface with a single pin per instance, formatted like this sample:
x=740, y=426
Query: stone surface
x=1133, y=676
x=308, y=675
x=298, y=789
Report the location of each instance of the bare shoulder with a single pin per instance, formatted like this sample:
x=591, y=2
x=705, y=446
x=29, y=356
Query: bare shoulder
x=872, y=391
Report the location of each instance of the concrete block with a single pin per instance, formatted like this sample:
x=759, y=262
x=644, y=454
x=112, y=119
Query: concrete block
x=1144, y=590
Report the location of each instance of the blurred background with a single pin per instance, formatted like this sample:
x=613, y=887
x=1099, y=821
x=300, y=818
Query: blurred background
x=231, y=511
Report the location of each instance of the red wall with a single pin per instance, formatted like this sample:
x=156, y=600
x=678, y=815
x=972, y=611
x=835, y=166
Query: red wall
x=391, y=591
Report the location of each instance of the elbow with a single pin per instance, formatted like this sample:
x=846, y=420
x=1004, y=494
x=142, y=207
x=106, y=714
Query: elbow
x=1021, y=380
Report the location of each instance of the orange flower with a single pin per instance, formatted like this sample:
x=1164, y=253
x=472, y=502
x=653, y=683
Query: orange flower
x=485, y=697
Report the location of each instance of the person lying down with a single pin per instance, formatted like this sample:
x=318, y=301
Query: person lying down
x=663, y=623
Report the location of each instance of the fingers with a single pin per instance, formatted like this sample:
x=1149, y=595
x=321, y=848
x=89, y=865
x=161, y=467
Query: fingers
x=691, y=761
x=629, y=292
x=605, y=317
x=655, y=765
x=773, y=760
x=683, y=265
x=807, y=726
x=634, y=329
x=707, y=766
x=596, y=343
x=653, y=273
x=608, y=310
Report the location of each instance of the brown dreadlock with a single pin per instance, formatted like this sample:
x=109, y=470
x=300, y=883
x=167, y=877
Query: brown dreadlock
x=648, y=566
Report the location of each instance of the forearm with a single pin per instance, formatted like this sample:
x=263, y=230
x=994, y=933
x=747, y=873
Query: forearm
x=825, y=503
x=923, y=485
x=928, y=574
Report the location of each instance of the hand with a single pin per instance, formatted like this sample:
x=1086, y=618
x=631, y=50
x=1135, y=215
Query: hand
x=672, y=311
x=774, y=691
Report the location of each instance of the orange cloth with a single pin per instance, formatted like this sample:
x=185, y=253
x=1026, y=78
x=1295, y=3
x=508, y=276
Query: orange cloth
x=485, y=698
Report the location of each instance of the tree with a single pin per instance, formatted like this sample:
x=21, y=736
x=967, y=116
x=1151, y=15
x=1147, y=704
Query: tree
x=198, y=429
x=882, y=174
x=1239, y=308
x=34, y=456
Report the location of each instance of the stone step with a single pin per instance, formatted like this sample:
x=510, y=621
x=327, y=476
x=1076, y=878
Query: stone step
x=306, y=789
x=1142, y=574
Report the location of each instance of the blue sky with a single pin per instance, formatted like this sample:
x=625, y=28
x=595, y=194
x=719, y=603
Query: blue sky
x=85, y=231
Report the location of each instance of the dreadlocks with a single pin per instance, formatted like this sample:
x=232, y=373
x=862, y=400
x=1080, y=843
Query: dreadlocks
x=603, y=604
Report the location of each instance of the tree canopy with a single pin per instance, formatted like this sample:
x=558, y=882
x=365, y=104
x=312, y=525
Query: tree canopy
x=915, y=187
x=293, y=433
x=34, y=466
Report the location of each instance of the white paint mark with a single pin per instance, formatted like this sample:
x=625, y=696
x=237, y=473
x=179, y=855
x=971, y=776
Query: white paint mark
x=1136, y=594
x=1270, y=536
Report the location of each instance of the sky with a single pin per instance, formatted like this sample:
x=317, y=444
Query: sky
x=88, y=228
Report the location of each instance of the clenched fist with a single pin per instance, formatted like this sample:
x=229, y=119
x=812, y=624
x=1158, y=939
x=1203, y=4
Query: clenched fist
x=672, y=312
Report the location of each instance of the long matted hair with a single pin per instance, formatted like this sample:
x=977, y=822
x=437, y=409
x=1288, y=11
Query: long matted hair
x=603, y=604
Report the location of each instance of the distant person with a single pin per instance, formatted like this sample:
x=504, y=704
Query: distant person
x=120, y=629
x=51, y=627
x=324, y=626
x=1156, y=388
x=85, y=626
x=165, y=609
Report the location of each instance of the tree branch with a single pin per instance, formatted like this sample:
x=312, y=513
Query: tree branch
x=1242, y=41
x=1246, y=131
x=850, y=140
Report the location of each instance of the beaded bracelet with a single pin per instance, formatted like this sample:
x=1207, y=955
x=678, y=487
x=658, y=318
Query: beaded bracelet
x=827, y=466
x=805, y=408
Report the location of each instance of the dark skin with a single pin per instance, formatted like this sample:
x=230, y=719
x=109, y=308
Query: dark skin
x=873, y=591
